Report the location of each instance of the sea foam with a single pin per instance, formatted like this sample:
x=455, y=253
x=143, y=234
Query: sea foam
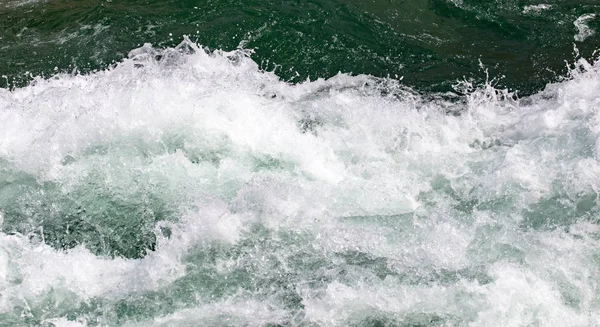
x=347, y=201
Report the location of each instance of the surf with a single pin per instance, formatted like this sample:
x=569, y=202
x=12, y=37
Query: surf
x=187, y=186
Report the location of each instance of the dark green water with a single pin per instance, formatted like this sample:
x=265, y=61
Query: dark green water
x=430, y=43
x=299, y=163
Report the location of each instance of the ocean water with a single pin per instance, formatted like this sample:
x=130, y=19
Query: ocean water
x=317, y=163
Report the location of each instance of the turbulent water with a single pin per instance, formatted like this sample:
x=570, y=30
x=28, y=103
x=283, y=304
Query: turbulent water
x=385, y=163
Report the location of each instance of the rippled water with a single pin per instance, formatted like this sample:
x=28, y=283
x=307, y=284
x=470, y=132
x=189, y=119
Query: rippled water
x=184, y=186
x=429, y=43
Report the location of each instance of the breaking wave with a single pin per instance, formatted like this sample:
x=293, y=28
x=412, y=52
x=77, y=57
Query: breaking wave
x=186, y=187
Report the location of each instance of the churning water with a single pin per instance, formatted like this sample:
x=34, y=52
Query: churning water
x=190, y=188
x=183, y=186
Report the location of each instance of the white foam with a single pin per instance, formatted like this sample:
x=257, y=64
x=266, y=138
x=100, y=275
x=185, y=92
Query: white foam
x=329, y=158
x=19, y=3
x=536, y=8
x=244, y=312
x=584, y=31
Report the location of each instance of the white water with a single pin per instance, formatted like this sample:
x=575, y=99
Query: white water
x=536, y=8
x=492, y=199
x=583, y=30
x=18, y=3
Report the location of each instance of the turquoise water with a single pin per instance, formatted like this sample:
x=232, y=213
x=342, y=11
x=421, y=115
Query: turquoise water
x=386, y=163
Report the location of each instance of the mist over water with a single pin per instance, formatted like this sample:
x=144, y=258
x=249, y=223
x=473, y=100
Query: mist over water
x=424, y=163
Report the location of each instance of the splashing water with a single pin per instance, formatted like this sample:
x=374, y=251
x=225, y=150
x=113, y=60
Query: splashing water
x=584, y=31
x=184, y=187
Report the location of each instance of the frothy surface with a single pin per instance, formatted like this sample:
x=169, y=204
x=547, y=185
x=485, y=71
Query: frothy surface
x=190, y=188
